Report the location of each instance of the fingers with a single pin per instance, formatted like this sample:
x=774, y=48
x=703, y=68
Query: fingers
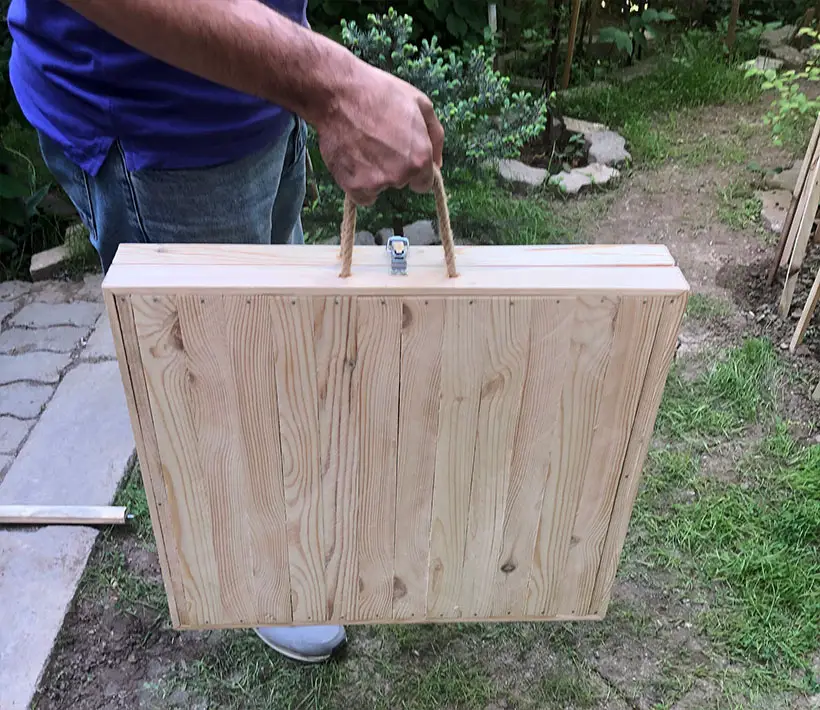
x=434, y=129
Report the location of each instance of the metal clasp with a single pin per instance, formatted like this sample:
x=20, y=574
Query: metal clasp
x=398, y=248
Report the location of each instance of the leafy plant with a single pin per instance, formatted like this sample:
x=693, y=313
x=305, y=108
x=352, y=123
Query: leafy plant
x=640, y=25
x=483, y=120
x=791, y=103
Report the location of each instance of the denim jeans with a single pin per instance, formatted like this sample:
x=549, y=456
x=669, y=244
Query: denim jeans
x=254, y=200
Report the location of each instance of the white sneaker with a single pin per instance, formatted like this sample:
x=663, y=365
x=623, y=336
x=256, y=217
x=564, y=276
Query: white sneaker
x=309, y=644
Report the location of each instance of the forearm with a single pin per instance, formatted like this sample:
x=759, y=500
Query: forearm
x=242, y=44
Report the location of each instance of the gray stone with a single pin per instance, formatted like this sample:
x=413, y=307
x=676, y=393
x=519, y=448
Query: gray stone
x=6, y=308
x=764, y=63
x=364, y=239
x=23, y=399
x=786, y=179
x=37, y=367
x=792, y=58
x=572, y=182
x=516, y=171
x=101, y=343
x=46, y=264
x=13, y=289
x=383, y=235
x=91, y=290
x=41, y=570
x=576, y=125
x=44, y=315
x=53, y=292
x=607, y=148
x=12, y=433
x=421, y=233
x=60, y=339
x=774, y=206
x=80, y=446
x=777, y=37
x=4, y=461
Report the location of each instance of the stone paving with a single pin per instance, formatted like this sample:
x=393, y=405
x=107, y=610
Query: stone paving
x=65, y=438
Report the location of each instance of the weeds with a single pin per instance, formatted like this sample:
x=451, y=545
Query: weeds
x=738, y=207
x=702, y=307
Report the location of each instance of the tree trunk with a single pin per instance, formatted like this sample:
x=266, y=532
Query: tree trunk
x=555, y=53
x=573, y=29
x=733, y=17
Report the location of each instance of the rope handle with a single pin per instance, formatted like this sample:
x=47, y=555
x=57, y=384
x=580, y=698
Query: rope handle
x=444, y=228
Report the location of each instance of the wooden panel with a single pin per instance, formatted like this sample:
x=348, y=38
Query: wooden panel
x=462, y=351
x=536, y=438
x=663, y=351
x=62, y=515
x=297, y=393
x=589, y=334
x=506, y=346
x=335, y=339
x=421, y=342
x=378, y=373
x=559, y=255
x=324, y=281
x=126, y=345
x=635, y=329
x=167, y=380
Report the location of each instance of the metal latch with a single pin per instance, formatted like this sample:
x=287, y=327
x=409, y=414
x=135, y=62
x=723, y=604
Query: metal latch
x=398, y=247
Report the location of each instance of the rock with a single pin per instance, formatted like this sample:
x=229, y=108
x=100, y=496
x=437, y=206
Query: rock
x=572, y=182
x=45, y=315
x=13, y=289
x=6, y=309
x=607, y=148
x=60, y=339
x=792, y=58
x=421, y=233
x=764, y=63
x=23, y=399
x=576, y=125
x=12, y=433
x=37, y=367
x=101, y=343
x=778, y=37
x=364, y=239
x=46, y=264
x=785, y=179
x=774, y=206
x=516, y=171
x=383, y=235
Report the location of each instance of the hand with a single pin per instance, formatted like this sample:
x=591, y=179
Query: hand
x=380, y=133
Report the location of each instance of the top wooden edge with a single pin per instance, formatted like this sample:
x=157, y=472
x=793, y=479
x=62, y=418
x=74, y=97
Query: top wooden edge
x=419, y=257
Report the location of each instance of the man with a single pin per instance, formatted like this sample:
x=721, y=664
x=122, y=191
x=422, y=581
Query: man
x=183, y=121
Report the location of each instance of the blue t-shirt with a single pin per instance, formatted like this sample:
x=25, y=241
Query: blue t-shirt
x=85, y=89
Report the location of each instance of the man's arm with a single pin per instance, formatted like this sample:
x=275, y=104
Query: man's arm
x=375, y=131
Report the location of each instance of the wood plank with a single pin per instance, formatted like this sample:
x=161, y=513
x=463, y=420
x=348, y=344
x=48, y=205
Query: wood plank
x=292, y=323
x=806, y=315
x=420, y=392
x=663, y=350
x=324, y=281
x=335, y=339
x=586, y=255
x=378, y=374
x=62, y=515
x=248, y=366
x=536, y=439
x=636, y=327
x=506, y=346
x=589, y=335
x=800, y=209
x=167, y=380
x=801, y=242
x=462, y=351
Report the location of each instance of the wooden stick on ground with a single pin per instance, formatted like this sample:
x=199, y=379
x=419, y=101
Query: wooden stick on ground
x=808, y=312
x=806, y=213
x=573, y=29
x=61, y=515
x=783, y=254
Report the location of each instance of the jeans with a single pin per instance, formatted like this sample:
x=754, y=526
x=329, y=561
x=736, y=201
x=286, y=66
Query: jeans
x=254, y=200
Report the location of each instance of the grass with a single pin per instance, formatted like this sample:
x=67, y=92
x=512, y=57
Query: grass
x=694, y=74
x=738, y=207
x=702, y=307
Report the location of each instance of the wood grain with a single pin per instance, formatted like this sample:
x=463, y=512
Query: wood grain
x=297, y=394
x=462, y=351
x=336, y=354
x=663, y=350
x=506, y=346
x=378, y=374
x=806, y=314
x=536, y=438
x=590, y=335
x=62, y=515
x=421, y=343
x=636, y=326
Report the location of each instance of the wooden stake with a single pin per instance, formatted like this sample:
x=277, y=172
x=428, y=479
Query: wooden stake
x=808, y=312
x=816, y=395
x=61, y=515
x=573, y=29
x=733, y=17
x=799, y=186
